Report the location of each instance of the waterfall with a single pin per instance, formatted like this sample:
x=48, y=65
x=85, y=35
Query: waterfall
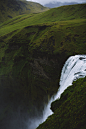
x=73, y=69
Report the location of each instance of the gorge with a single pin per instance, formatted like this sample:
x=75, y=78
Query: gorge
x=33, y=50
x=74, y=68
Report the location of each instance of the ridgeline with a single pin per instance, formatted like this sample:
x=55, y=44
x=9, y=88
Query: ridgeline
x=12, y=8
x=33, y=49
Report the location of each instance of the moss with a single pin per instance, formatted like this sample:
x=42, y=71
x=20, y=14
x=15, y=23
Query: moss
x=12, y=8
x=45, y=18
x=20, y=48
x=32, y=54
x=69, y=110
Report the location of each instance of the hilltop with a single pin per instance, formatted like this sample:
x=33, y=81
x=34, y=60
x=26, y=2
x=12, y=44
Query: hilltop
x=54, y=4
x=29, y=39
x=12, y=8
x=52, y=16
x=33, y=49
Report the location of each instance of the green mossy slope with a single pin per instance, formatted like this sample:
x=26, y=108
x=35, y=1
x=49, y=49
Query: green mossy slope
x=64, y=13
x=12, y=8
x=69, y=110
x=33, y=51
x=34, y=54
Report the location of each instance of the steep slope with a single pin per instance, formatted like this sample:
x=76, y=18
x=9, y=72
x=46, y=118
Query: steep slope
x=64, y=13
x=25, y=49
x=12, y=8
x=32, y=7
x=33, y=50
x=69, y=110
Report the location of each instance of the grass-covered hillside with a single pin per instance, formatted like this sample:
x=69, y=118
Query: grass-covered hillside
x=33, y=49
x=27, y=38
x=70, y=13
x=70, y=109
x=12, y=8
x=33, y=44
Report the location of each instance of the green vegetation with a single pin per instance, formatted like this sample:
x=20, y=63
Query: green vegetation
x=12, y=8
x=52, y=16
x=69, y=110
x=33, y=49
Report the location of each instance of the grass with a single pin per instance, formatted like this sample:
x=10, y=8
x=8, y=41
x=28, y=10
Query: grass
x=12, y=8
x=34, y=47
x=25, y=35
x=69, y=110
x=53, y=15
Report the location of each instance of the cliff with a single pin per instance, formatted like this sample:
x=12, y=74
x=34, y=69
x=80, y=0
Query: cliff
x=33, y=49
x=69, y=110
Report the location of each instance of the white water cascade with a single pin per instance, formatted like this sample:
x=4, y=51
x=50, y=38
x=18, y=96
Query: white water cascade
x=74, y=68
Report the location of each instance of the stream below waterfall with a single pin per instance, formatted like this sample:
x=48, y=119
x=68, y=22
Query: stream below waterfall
x=73, y=69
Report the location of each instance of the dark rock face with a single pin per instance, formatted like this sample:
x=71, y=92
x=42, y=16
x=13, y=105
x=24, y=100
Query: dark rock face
x=31, y=60
x=24, y=91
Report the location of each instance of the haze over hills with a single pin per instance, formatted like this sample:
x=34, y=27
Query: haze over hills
x=57, y=4
x=12, y=8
